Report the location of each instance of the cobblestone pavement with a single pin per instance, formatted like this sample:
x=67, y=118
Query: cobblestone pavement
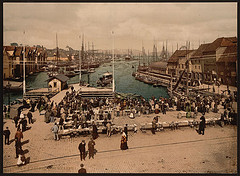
x=179, y=151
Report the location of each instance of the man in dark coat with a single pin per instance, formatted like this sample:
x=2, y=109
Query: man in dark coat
x=29, y=115
x=33, y=104
x=6, y=133
x=94, y=133
x=154, y=126
x=82, y=149
x=16, y=118
x=82, y=170
x=61, y=123
x=91, y=144
x=125, y=130
x=202, y=125
x=24, y=124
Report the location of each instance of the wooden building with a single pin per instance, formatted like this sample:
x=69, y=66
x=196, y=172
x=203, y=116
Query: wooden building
x=158, y=67
x=211, y=54
x=13, y=60
x=57, y=83
x=227, y=66
x=176, y=62
x=8, y=54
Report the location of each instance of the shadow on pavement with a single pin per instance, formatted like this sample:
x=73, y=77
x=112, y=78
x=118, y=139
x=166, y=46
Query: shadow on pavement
x=25, y=142
x=25, y=151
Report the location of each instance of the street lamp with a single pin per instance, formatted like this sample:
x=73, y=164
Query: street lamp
x=8, y=90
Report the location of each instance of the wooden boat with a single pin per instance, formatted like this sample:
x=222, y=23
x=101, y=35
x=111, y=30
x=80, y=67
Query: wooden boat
x=128, y=57
x=91, y=70
x=12, y=86
x=70, y=74
x=105, y=79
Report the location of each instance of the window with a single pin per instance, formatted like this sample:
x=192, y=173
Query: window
x=182, y=65
x=55, y=84
x=195, y=67
x=199, y=66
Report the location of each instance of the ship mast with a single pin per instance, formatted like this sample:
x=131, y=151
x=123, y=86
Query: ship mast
x=24, y=68
x=113, y=85
x=79, y=57
x=57, y=48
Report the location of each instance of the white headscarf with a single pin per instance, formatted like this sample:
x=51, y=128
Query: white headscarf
x=123, y=134
x=21, y=115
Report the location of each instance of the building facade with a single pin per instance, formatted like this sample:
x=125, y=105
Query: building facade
x=177, y=62
x=227, y=66
x=13, y=60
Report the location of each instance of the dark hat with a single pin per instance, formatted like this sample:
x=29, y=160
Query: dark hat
x=81, y=165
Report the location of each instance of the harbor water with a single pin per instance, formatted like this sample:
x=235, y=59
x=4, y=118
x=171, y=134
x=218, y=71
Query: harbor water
x=124, y=81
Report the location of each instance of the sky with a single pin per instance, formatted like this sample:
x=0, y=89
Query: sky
x=133, y=24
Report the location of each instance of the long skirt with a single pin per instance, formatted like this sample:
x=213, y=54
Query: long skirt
x=124, y=146
x=94, y=135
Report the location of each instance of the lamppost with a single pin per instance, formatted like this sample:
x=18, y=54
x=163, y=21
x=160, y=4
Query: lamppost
x=8, y=90
x=208, y=80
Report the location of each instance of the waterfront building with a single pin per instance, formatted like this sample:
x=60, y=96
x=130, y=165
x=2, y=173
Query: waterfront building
x=227, y=66
x=13, y=60
x=57, y=83
x=30, y=54
x=197, y=63
x=211, y=53
x=176, y=63
x=158, y=67
x=8, y=54
x=17, y=62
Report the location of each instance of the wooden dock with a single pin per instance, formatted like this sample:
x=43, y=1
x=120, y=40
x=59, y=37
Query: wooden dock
x=36, y=93
x=92, y=92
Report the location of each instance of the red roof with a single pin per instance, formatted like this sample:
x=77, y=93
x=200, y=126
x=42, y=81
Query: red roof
x=18, y=51
x=231, y=49
x=228, y=58
x=200, y=50
x=178, y=54
x=228, y=41
x=9, y=48
x=229, y=55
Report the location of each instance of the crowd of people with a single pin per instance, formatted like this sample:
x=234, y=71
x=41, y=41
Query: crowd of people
x=82, y=110
x=85, y=109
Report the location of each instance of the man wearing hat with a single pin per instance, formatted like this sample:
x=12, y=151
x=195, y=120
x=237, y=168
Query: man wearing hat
x=82, y=149
x=202, y=125
x=91, y=144
x=6, y=133
x=82, y=170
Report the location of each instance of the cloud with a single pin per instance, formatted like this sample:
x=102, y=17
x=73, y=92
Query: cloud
x=132, y=23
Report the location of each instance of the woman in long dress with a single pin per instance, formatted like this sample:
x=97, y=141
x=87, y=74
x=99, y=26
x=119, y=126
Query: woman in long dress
x=124, y=142
x=21, y=159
